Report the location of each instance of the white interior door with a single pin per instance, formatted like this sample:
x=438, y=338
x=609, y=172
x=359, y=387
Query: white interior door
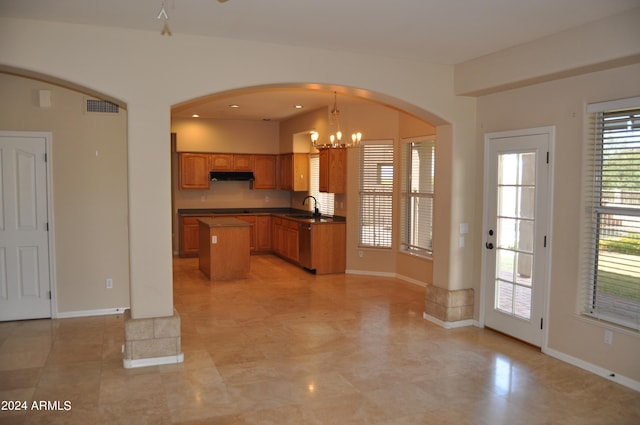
x=24, y=240
x=516, y=225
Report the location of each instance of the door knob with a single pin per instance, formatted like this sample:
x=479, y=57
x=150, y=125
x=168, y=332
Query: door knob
x=489, y=245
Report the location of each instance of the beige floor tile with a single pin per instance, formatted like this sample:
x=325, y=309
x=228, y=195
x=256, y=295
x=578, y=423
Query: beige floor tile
x=288, y=347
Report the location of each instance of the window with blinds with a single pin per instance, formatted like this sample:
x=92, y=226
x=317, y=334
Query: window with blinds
x=325, y=200
x=376, y=194
x=613, y=198
x=416, y=222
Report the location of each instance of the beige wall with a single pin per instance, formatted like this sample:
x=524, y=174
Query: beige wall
x=562, y=104
x=150, y=73
x=89, y=166
x=205, y=135
x=608, y=43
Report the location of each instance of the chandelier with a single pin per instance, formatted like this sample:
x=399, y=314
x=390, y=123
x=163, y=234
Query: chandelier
x=335, y=140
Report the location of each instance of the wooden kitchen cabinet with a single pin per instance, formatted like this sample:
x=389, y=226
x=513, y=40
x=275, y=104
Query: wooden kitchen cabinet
x=291, y=246
x=263, y=233
x=194, y=171
x=189, y=243
x=333, y=170
x=242, y=162
x=250, y=219
x=221, y=162
x=265, y=172
x=230, y=162
x=294, y=172
x=276, y=235
x=284, y=238
x=329, y=248
x=260, y=231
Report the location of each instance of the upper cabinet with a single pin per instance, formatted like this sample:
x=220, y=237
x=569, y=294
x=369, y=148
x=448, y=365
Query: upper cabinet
x=221, y=162
x=294, y=172
x=242, y=162
x=231, y=162
x=333, y=170
x=264, y=171
x=194, y=170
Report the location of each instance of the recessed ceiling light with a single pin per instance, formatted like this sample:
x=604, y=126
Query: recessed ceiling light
x=234, y=106
x=195, y=116
x=298, y=106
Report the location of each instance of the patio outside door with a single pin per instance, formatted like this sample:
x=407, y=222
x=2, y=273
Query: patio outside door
x=515, y=238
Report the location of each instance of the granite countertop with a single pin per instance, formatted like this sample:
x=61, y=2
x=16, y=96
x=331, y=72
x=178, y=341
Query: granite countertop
x=288, y=213
x=224, y=222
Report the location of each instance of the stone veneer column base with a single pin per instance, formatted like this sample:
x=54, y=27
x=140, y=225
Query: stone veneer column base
x=448, y=307
x=152, y=341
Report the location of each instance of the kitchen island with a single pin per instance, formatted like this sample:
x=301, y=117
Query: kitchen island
x=224, y=248
x=316, y=243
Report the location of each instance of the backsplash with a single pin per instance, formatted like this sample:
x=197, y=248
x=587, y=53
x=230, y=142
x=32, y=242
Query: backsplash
x=231, y=195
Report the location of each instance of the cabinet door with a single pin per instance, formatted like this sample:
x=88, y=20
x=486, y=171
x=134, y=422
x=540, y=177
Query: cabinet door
x=221, y=162
x=333, y=170
x=300, y=177
x=286, y=170
x=263, y=233
x=190, y=236
x=323, y=180
x=264, y=171
x=250, y=219
x=194, y=171
x=276, y=235
x=242, y=162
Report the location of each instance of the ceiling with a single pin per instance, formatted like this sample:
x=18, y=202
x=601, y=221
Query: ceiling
x=443, y=31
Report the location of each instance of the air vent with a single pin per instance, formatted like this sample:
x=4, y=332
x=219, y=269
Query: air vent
x=94, y=105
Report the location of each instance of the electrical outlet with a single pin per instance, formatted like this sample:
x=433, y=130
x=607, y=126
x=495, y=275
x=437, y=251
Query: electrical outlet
x=108, y=283
x=214, y=239
x=608, y=337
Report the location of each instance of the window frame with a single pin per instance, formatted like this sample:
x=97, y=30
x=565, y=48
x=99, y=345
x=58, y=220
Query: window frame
x=607, y=218
x=408, y=220
x=380, y=233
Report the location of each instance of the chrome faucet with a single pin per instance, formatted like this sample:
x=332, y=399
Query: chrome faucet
x=316, y=211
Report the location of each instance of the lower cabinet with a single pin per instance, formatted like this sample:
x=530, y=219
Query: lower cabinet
x=250, y=219
x=281, y=236
x=291, y=237
x=263, y=233
x=189, y=243
x=329, y=248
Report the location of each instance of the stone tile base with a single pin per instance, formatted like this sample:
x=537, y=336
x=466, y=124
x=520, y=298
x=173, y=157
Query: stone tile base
x=449, y=306
x=151, y=341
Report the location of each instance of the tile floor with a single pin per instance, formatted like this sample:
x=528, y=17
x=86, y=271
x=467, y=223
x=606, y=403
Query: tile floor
x=286, y=347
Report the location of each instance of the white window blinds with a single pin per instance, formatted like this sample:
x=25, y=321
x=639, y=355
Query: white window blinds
x=416, y=222
x=613, y=199
x=376, y=194
x=325, y=200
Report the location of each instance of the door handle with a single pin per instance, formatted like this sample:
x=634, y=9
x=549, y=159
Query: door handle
x=488, y=245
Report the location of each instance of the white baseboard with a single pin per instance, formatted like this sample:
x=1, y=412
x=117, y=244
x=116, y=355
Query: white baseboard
x=597, y=370
x=153, y=361
x=387, y=274
x=451, y=325
x=85, y=313
x=370, y=273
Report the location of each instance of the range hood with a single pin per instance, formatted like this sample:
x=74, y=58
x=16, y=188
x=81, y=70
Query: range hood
x=241, y=176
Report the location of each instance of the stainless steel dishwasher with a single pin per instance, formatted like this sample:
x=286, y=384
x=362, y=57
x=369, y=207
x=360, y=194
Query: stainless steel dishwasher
x=304, y=245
